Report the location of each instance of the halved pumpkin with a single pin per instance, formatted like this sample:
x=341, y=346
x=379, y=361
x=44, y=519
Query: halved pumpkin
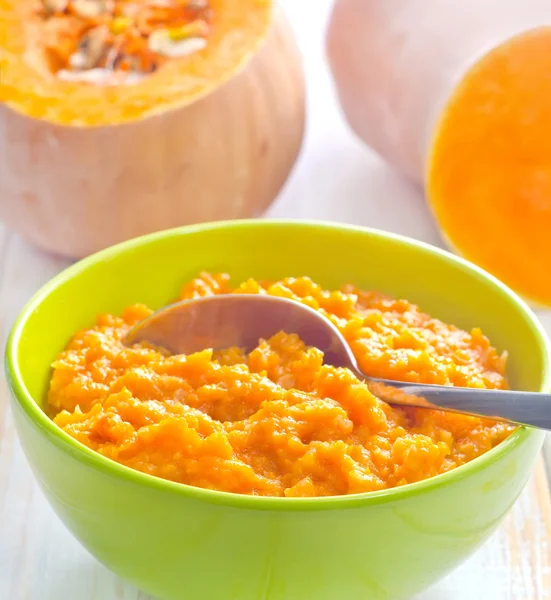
x=123, y=117
x=456, y=96
x=489, y=178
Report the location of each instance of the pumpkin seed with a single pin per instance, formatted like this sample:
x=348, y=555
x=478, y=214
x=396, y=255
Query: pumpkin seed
x=161, y=3
x=88, y=9
x=197, y=4
x=91, y=75
x=100, y=77
x=113, y=59
x=91, y=49
x=55, y=6
x=162, y=42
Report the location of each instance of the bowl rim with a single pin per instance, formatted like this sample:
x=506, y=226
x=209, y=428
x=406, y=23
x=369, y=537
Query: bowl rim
x=22, y=397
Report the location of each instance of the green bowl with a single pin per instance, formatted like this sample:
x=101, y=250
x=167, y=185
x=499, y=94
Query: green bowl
x=178, y=542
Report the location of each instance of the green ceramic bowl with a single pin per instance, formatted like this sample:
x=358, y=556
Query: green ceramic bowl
x=178, y=542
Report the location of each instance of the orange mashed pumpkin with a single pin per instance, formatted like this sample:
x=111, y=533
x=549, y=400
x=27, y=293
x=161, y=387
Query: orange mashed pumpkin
x=277, y=421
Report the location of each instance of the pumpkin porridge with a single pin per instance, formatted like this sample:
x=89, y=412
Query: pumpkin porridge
x=277, y=421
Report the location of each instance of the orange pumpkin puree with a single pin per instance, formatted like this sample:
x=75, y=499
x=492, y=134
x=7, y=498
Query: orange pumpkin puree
x=278, y=422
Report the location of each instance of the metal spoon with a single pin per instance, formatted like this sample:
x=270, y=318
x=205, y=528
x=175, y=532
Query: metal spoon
x=242, y=319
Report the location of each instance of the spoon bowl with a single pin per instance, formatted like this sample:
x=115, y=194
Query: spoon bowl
x=241, y=320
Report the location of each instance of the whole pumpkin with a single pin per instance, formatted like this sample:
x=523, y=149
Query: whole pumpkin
x=118, y=121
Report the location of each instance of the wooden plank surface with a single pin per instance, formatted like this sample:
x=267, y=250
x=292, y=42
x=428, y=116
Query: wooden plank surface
x=335, y=179
x=515, y=564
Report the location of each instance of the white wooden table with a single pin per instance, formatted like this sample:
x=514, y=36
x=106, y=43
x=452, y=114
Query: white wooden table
x=337, y=179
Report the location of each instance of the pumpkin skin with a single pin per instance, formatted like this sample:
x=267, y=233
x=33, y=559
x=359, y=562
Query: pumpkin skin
x=114, y=163
x=396, y=63
x=456, y=97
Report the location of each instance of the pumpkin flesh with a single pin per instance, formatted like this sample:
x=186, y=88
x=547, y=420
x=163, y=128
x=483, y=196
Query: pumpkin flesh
x=489, y=176
x=30, y=85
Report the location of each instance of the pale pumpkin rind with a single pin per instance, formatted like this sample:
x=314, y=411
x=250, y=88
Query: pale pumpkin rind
x=83, y=167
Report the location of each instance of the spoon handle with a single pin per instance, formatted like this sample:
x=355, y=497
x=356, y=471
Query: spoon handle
x=522, y=408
